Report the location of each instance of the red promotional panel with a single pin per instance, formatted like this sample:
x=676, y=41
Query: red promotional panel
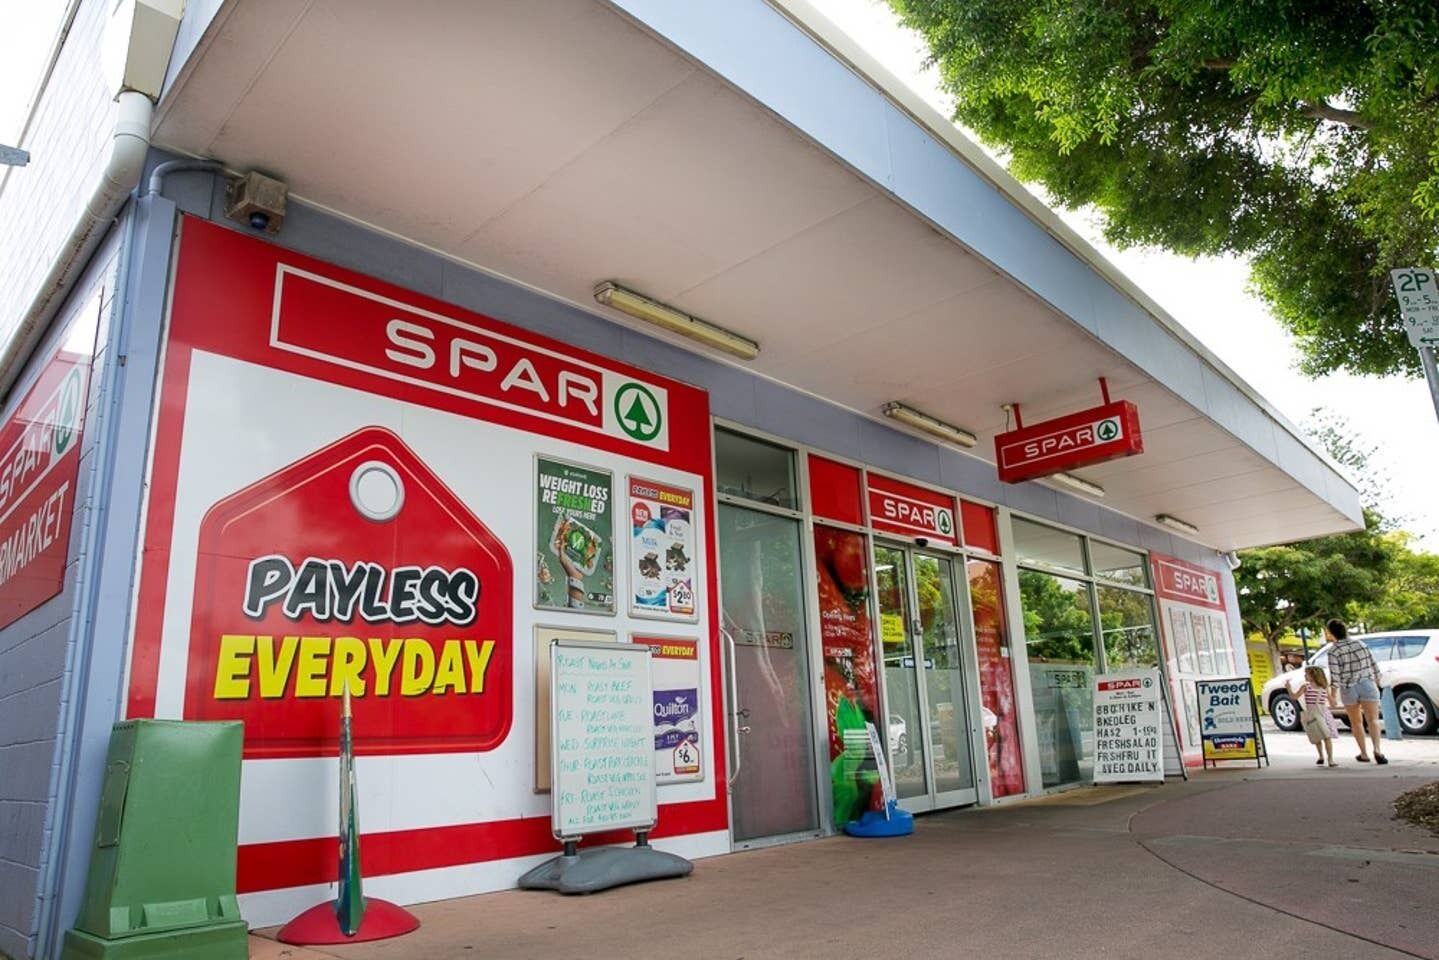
x=899, y=507
x=980, y=529
x=1176, y=580
x=344, y=495
x=354, y=567
x=39, y=461
x=996, y=678
x=1079, y=439
x=850, y=685
x=834, y=491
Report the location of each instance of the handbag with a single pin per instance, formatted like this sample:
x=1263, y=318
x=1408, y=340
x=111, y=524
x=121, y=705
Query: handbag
x=1313, y=723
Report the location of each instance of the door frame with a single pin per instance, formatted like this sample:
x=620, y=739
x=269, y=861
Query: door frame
x=963, y=618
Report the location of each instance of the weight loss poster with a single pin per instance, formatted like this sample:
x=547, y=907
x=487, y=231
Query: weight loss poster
x=662, y=550
x=574, y=535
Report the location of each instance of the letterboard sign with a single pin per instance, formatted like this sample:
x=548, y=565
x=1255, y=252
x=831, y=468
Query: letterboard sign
x=602, y=738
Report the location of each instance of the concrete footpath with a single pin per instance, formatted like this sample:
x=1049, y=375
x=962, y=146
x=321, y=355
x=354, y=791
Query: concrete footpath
x=1239, y=863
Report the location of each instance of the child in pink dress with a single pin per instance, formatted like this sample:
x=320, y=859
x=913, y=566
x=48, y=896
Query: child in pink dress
x=1316, y=694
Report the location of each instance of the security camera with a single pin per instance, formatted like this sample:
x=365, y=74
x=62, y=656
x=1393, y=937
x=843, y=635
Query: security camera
x=257, y=201
x=921, y=541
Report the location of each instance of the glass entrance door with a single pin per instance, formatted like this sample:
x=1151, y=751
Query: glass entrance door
x=929, y=724
x=773, y=790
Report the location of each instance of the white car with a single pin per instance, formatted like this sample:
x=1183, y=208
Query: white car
x=1408, y=663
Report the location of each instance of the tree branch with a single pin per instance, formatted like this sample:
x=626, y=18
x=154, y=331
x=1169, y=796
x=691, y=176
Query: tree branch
x=1325, y=111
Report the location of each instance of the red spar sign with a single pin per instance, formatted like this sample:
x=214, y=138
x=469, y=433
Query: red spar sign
x=1090, y=436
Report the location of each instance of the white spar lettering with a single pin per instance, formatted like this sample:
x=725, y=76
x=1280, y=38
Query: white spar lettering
x=411, y=346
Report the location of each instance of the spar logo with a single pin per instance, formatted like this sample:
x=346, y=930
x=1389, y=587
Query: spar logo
x=67, y=421
x=1107, y=430
x=1188, y=582
x=471, y=359
x=1065, y=441
x=638, y=412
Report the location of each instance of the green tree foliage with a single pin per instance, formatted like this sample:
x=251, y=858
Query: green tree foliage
x=1303, y=584
x=1057, y=622
x=1410, y=598
x=1301, y=135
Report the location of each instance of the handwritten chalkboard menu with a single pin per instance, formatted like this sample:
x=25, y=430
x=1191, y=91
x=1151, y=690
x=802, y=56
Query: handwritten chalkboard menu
x=601, y=737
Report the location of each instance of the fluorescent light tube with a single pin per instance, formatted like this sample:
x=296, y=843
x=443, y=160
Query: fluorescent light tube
x=651, y=311
x=1174, y=523
x=930, y=425
x=1078, y=483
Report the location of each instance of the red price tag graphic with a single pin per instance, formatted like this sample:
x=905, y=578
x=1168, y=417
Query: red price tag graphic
x=354, y=566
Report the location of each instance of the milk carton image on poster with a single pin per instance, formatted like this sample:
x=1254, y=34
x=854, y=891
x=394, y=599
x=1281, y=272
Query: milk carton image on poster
x=662, y=550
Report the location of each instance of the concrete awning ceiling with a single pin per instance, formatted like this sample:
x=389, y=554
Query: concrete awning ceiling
x=562, y=144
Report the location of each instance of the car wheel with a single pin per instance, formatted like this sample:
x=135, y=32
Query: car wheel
x=1416, y=713
x=1285, y=712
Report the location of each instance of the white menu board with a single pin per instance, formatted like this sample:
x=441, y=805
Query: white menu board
x=1128, y=727
x=601, y=738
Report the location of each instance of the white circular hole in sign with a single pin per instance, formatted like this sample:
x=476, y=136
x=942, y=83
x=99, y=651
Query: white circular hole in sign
x=376, y=490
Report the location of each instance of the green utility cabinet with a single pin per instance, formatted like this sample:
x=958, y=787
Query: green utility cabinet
x=162, y=871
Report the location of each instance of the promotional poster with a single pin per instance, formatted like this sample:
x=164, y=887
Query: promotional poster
x=662, y=550
x=1227, y=724
x=574, y=533
x=1128, y=727
x=850, y=685
x=679, y=719
x=996, y=679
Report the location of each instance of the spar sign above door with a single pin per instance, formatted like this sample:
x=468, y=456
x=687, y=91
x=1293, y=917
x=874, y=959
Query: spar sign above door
x=476, y=363
x=1091, y=436
x=899, y=507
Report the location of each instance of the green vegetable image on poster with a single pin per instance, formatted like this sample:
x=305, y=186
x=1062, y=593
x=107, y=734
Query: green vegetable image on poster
x=574, y=538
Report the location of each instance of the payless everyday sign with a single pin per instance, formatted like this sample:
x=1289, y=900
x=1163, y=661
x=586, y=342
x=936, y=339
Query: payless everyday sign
x=353, y=567
x=1080, y=439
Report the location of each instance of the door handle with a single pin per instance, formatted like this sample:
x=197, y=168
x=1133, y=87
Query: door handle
x=735, y=759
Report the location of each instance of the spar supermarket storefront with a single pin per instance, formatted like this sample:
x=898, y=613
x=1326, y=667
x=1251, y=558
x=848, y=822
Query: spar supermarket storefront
x=392, y=439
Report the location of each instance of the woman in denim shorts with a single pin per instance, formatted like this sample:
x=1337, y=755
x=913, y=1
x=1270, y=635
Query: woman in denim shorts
x=1354, y=672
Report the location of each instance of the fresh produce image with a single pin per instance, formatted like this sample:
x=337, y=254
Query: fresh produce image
x=851, y=688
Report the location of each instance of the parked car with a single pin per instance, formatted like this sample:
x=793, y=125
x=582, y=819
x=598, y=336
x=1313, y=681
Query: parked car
x=898, y=735
x=1408, y=662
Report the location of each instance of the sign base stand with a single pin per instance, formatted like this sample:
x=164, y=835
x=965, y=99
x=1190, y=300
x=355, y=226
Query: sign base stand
x=321, y=924
x=893, y=823
x=601, y=868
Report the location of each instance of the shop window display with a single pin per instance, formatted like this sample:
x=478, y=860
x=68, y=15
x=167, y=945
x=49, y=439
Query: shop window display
x=996, y=678
x=1059, y=638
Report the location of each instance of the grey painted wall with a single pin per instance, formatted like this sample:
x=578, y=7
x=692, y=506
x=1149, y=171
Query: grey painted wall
x=37, y=651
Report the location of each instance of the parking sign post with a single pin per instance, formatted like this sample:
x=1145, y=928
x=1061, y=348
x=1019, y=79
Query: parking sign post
x=1417, y=290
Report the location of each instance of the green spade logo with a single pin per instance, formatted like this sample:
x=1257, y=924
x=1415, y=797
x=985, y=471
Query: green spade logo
x=1107, y=430
x=638, y=412
x=67, y=416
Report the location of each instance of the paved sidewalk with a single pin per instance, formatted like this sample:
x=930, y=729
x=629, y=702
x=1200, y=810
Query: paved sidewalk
x=1240, y=863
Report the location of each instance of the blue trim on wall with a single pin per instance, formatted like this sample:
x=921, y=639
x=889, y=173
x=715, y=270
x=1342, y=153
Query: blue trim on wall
x=111, y=547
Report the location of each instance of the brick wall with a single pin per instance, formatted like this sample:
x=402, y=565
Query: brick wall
x=68, y=140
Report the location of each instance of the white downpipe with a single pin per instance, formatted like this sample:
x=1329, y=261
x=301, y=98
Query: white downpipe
x=129, y=144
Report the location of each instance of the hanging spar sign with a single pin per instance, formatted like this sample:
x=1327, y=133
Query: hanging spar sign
x=1080, y=439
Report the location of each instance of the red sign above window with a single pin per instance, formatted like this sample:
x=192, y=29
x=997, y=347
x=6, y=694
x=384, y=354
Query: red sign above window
x=1079, y=439
x=1176, y=580
x=899, y=507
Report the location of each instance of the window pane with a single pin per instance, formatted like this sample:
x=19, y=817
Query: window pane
x=750, y=468
x=1126, y=621
x=1045, y=545
x=1117, y=564
x=1381, y=647
x=1410, y=647
x=1059, y=635
x=762, y=598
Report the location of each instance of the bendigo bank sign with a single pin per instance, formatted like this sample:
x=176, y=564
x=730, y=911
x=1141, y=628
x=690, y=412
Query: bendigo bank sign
x=353, y=567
